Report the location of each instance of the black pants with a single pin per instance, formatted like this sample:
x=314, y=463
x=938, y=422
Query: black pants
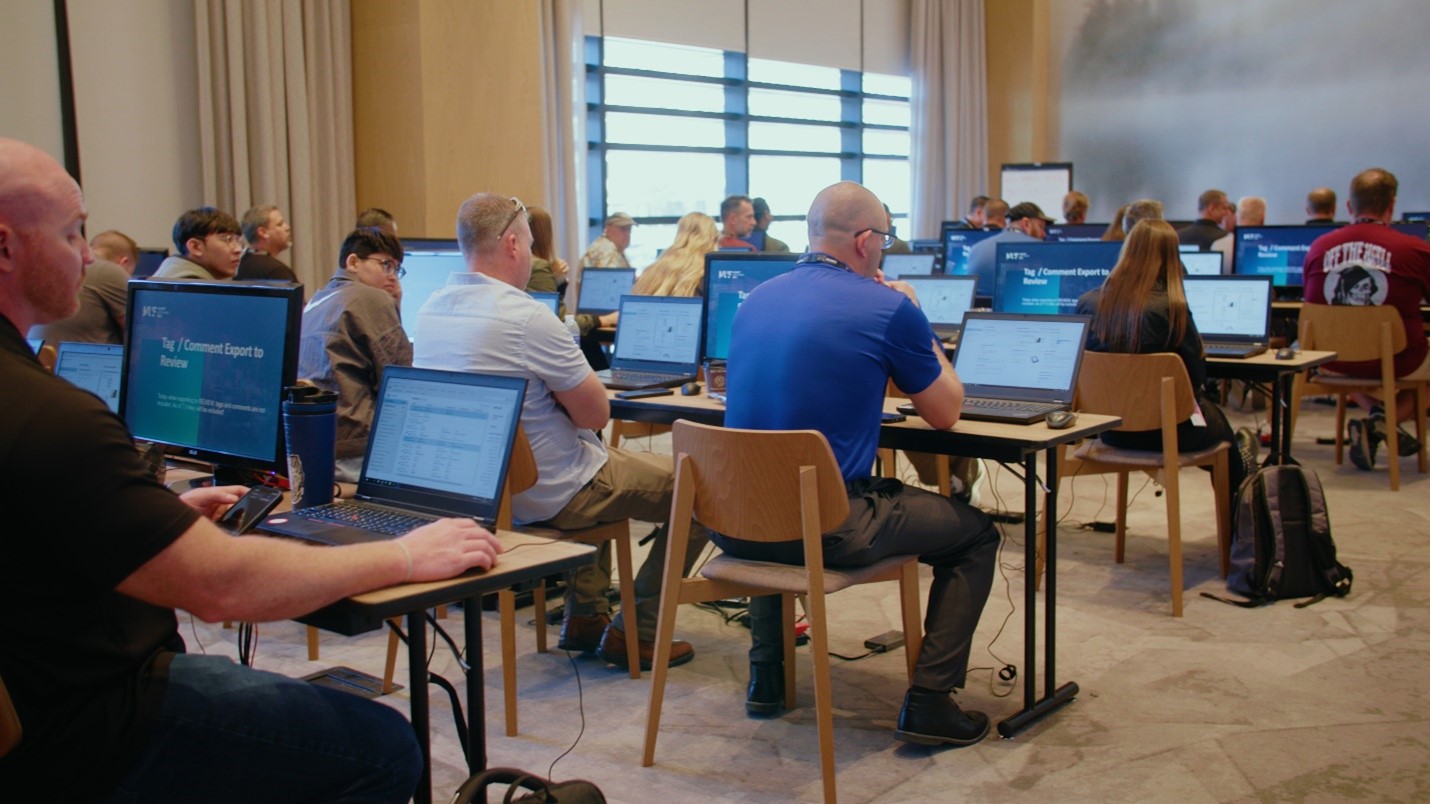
x=886, y=518
x=1190, y=438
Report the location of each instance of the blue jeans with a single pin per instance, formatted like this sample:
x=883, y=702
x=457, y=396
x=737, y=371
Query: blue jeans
x=230, y=733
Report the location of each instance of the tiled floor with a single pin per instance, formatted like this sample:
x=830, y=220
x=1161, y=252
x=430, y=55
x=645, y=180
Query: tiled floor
x=1224, y=704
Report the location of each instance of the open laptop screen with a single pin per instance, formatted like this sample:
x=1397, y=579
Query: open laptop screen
x=442, y=434
x=899, y=265
x=95, y=367
x=1230, y=306
x=944, y=300
x=602, y=288
x=1202, y=263
x=1030, y=356
x=658, y=331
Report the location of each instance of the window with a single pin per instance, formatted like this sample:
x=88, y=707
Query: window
x=674, y=129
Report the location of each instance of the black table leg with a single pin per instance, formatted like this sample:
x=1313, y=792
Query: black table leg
x=417, y=686
x=476, y=690
x=1054, y=697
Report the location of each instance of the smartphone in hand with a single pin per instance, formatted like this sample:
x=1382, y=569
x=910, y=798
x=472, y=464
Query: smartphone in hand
x=249, y=509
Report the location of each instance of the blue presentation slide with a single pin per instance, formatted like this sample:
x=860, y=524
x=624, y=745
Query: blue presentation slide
x=1275, y=251
x=957, y=245
x=1048, y=278
x=726, y=286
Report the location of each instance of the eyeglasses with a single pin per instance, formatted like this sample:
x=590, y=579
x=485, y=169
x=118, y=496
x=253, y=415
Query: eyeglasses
x=227, y=238
x=888, y=237
x=520, y=210
x=389, y=267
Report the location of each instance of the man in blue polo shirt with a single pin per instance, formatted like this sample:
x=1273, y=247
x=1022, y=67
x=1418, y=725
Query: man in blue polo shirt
x=789, y=369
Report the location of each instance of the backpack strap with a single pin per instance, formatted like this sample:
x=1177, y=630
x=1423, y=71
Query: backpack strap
x=1278, y=536
x=1322, y=547
x=1254, y=603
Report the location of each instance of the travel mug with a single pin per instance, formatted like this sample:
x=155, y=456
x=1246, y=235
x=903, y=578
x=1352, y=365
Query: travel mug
x=310, y=427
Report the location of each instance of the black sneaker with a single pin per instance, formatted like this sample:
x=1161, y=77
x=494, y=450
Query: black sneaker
x=1248, y=445
x=1405, y=443
x=932, y=718
x=1361, y=436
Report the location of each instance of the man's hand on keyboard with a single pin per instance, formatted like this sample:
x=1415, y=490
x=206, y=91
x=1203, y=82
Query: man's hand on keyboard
x=448, y=547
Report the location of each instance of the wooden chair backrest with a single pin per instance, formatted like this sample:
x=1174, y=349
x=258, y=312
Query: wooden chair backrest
x=521, y=475
x=747, y=482
x=48, y=356
x=10, y=731
x=1350, y=332
x=1130, y=386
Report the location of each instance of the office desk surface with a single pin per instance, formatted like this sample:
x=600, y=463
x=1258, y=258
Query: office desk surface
x=1265, y=364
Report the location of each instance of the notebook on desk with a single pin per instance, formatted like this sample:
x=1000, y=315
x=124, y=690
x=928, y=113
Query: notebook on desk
x=944, y=300
x=601, y=289
x=657, y=343
x=1232, y=313
x=95, y=367
x=1019, y=368
x=440, y=445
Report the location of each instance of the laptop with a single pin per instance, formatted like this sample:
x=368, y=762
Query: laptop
x=1202, y=263
x=35, y=344
x=1019, y=367
x=440, y=445
x=657, y=343
x=900, y=265
x=95, y=367
x=1232, y=313
x=944, y=300
x=601, y=289
x=552, y=300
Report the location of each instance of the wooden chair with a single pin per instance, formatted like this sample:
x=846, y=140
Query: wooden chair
x=621, y=428
x=766, y=486
x=1359, y=334
x=1149, y=392
x=48, y=356
x=521, y=476
x=10, y=730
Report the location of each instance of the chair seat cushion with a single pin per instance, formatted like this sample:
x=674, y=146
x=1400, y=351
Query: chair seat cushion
x=1095, y=450
x=793, y=578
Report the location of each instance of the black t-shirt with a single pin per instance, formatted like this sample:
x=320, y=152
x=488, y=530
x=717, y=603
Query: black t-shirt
x=81, y=514
x=253, y=265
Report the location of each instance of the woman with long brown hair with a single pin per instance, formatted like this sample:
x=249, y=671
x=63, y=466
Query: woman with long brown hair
x=1141, y=309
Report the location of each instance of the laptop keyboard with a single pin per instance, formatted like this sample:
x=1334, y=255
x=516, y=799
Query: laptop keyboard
x=630, y=377
x=357, y=515
x=1234, y=349
x=1009, y=406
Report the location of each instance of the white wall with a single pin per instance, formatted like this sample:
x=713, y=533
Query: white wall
x=136, y=95
x=29, y=76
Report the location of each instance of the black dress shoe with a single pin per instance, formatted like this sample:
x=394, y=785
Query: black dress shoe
x=582, y=634
x=766, y=694
x=932, y=718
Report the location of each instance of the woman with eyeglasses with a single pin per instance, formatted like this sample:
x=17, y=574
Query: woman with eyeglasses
x=680, y=270
x=1141, y=309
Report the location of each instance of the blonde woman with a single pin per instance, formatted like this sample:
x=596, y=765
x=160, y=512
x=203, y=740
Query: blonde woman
x=680, y=271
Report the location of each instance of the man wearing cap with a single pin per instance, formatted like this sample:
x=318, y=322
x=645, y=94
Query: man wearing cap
x=609, y=250
x=1026, y=224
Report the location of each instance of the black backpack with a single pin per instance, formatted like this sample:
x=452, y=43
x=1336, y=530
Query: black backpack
x=1281, y=544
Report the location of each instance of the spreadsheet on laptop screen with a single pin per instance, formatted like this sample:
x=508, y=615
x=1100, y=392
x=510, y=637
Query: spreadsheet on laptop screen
x=442, y=436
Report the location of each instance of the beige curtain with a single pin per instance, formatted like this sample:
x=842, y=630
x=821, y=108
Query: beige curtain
x=950, y=110
x=275, y=112
x=563, y=84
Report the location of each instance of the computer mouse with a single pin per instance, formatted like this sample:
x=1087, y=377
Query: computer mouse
x=690, y=389
x=1285, y=353
x=1060, y=419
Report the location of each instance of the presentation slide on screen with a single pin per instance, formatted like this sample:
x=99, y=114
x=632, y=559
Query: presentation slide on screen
x=1277, y=252
x=1048, y=278
x=726, y=287
x=206, y=371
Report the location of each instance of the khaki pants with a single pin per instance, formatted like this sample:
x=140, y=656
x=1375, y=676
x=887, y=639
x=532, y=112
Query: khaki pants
x=631, y=485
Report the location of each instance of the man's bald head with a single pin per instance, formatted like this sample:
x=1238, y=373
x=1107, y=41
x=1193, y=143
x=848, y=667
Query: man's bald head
x=43, y=252
x=26, y=173
x=839, y=213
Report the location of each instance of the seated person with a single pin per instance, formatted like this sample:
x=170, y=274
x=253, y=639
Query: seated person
x=789, y=371
x=1367, y=262
x=549, y=272
x=111, y=706
x=609, y=250
x=1142, y=308
x=737, y=217
x=680, y=269
x=483, y=321
x=351, y=332
x=267, y=235
x=209, y=246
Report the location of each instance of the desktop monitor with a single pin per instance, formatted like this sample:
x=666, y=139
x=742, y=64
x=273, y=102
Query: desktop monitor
x=427, y=273
x=957, y=244
x=1076, y=232
x=1202, y=263
x=1415, y=216
x=897, y=265
x=1415, y=228
x=1275, y=251
x=149, y=261
x=931, y=245
x=206, y=365
x=729, y=278
x=95, y=367
x=1048, y=278
x=429, y=244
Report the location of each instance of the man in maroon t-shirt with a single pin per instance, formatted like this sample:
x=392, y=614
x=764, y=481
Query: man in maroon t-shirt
x=1365, y=263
